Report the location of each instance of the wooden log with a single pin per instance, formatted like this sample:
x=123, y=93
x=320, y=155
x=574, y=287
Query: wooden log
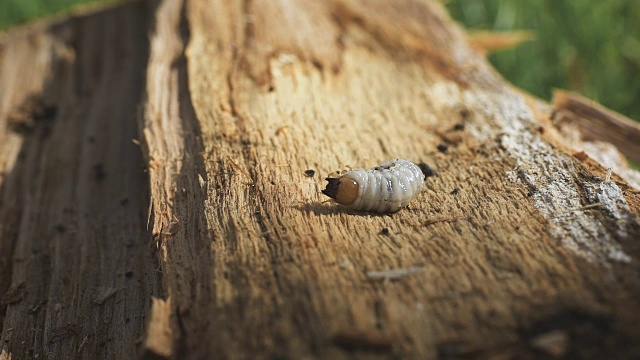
x=209, y=240
x=74, y=195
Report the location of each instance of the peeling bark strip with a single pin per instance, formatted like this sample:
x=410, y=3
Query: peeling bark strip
x=599, y=123
x=514, y=248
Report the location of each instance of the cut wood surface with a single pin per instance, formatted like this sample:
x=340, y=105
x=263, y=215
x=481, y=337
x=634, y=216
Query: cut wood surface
x=154, y=199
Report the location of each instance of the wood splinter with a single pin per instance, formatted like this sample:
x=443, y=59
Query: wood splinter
x=586, y=207
x=395, y=274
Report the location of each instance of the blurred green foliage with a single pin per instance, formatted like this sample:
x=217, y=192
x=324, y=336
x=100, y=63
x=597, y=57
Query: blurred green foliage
x=588, y=46
x=14, y=12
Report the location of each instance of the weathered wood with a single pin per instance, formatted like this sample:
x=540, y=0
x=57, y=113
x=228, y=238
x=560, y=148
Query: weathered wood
x=74, y=195
x=598, y=123
x=516, y=248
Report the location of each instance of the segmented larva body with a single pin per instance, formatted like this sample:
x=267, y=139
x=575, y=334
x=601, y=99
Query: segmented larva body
x=385, y=188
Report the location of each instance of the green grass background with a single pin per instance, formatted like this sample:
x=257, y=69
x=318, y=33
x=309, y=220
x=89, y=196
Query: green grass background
x=588, y=46
x=13, y=12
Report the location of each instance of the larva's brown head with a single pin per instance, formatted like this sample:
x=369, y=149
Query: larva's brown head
x=343, y=190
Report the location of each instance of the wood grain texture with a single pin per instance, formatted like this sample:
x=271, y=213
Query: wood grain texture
x=516, y=249
x=74, y=193
x=598, y=123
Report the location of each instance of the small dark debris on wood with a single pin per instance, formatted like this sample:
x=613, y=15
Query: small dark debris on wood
x=426, y=170
x=443, y=147
x=98, y=172
x=124, y=201
x=458, y=127
x=384, y=231
x=455, y=191
x=60, y=228
x=128, y=274
x=309, y=173
x=14, y=294
x=364, y=340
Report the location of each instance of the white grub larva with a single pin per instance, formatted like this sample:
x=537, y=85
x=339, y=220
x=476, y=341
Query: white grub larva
x=383, y=189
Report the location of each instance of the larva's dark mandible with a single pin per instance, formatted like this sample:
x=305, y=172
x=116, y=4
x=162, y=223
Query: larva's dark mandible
x=385, y=188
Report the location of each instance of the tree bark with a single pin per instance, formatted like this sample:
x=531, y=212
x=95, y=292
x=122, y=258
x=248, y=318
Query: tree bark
x=154, y=198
